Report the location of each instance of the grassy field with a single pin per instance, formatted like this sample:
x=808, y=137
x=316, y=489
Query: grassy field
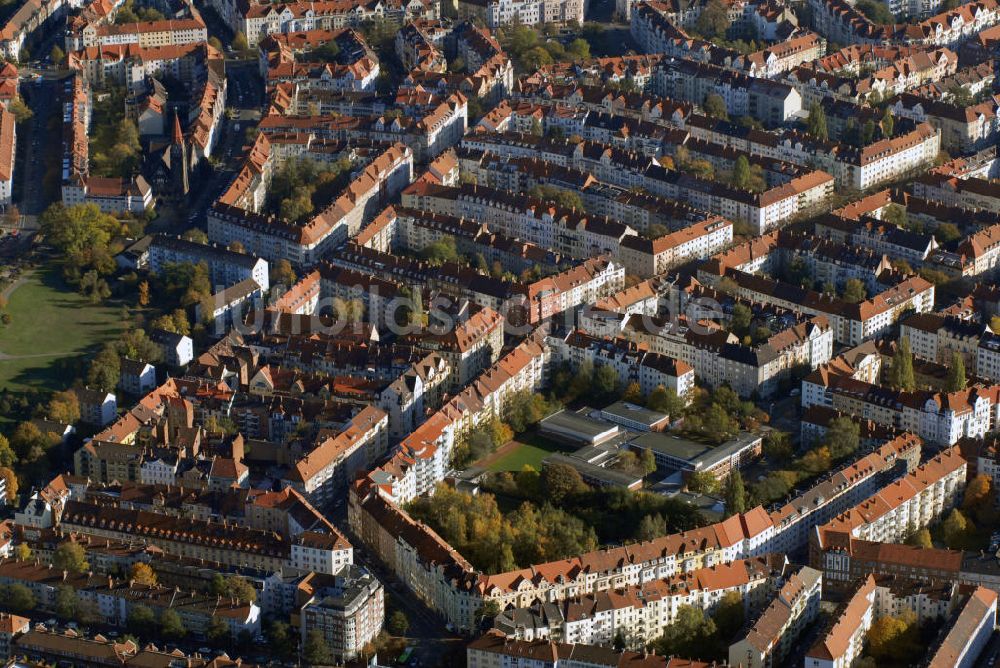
x=530, y=448
x=51, y=324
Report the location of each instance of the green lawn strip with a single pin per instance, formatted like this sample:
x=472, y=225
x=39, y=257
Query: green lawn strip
x=51, y=322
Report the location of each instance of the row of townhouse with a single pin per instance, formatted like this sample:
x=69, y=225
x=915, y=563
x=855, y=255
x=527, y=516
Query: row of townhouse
x=131, y=66
x=639, y=614
x=762, y=211
x=851, y=323
x=445, y=581
x=771, y=102
x=882, y=161
x=225, y=267
x=885, y=238
x=938, y=417
x=968, y=617
x=148, y=34
x=412, y=230
x=423, y=457
x=840, y=21
x=582, y=235
x=257, y=19
x=772, y=635
x=112, y=601
x=632, y=363
x=26, y=19
x=8, y=149
x=111, y=195
x=963, y=129
x=499, y=13
x=233, y=217
x=890, y=515
x=419, y=389
x=720, y=358
x=419, y=45
x=428, y=133
x=323, y=473
x=896, y=70
x=938, y=338
x=320, y=552
x=521, y=303
x=962, y=191
x=285, y=58
x=923, y=63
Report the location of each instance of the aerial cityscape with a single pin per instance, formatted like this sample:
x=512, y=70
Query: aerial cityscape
x=499, y=333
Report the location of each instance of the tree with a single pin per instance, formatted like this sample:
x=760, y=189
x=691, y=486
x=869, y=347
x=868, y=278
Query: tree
x=954, y=528
x=692, y=634
x=10, y=478
x=633, y=393
x=143, y=574
x=141, y=620
x=956, y=374
x=713, y=22
x=947, y=232
x=605, y=381
x=854, y=291
x=144, y=293
x=815, y=461
x=978, y=494
x=281, y=639
x=18, y=598
x=739, y=322
x=665, y=401
x=104, y=370
x=94, y=287
x=901, y=367
x=240, y=42
x=215, y=43
x=703, y=482
x=730, y=615
x=741, y=173
x=920, y=538
x=894, y=214
x=816, y=123
x=895, y=640
x=71, y=557
x=734, y=493
x=578, y=49
x=876, y=11
x=239, y=587
x=960, y=96
x=888, y=123
x=57, y=55
x=283, y=274
x=560, y=481
x=843, y=436
x=398, y=623
x=64, y=407
x=7, y=456
x=22, y=112
x=315, y=651
x=218, y=631
x=66, y=602
x=195, y=235
x=715, y=106
x=22, y=552
x=490, y=610
x=777, y=447
x=647, y=460
x=171, y=624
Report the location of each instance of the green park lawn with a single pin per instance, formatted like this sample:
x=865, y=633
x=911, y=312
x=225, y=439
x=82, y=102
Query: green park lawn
x=51, y=325
x=531, y=449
